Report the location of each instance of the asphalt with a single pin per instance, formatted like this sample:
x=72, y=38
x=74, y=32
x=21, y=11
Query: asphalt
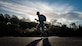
x=41, y=41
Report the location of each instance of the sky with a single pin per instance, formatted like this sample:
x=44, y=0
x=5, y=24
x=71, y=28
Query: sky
x=64, y=11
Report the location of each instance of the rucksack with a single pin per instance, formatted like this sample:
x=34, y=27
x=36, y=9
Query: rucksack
x=43, y=18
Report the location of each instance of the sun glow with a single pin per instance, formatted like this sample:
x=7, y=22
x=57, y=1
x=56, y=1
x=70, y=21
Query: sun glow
x=29, y=11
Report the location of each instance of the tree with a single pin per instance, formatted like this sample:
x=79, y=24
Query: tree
x=73, y=25
x=14, y=20
x=53, y=21
x=7, y=18
x=1, y=17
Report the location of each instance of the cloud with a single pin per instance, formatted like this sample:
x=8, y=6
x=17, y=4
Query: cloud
x=29, y=10
x=62, y=12
x=72, y=17
x=17, y=7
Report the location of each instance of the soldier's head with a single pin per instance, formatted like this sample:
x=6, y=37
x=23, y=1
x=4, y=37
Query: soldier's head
x=38, y=13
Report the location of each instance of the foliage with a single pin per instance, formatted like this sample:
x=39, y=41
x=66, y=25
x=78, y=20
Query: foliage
x=13, y=26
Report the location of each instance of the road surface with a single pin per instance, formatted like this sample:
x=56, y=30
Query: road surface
x=40, y=41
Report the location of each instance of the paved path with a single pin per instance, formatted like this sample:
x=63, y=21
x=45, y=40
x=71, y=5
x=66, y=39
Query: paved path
x=39, y=41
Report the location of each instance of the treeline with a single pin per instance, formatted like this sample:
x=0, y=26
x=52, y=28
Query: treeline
x=11, y=25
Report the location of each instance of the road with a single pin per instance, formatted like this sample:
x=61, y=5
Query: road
x=40, y=41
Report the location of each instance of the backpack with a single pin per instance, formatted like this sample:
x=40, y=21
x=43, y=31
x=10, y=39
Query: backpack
x=43, y=18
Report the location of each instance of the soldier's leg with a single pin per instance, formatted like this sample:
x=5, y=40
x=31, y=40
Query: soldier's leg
x=42, y=28
x=38, y=28
x=44, y=33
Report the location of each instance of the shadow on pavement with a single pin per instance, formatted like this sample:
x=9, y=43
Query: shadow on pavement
x=46, y=42
x=34, y=43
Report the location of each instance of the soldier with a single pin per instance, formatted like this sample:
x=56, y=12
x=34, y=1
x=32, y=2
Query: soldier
x=41, y=20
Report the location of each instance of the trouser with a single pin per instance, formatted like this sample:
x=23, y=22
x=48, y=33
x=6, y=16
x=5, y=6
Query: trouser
x=40, y=26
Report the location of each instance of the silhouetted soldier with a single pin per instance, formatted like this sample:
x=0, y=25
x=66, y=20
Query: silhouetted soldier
x=41, y=19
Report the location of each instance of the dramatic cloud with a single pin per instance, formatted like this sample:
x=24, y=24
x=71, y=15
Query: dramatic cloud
x=60, y=11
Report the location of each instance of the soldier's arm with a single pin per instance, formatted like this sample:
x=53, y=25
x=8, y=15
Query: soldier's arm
x=36, y=19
